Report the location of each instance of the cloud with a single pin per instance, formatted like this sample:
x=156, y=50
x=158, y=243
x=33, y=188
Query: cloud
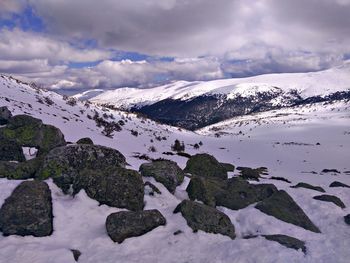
x=20, y=45
x=8, y=7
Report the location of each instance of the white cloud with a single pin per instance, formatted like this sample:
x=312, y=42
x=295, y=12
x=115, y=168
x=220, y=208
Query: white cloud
x=19, y=45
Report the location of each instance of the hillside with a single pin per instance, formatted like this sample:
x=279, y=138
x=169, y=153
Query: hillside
x=194, y=105
x=297, y=143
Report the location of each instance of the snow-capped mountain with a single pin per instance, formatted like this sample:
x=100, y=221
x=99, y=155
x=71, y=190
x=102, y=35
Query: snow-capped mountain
x=193, y=105
x=297, y=143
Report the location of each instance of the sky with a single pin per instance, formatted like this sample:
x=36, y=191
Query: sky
x=72, y=46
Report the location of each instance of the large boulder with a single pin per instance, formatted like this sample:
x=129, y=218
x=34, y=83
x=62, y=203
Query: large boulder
x=234, y=193
x=206, y=165
x=287, y=241
x=126, y=224
x=31, y=132
x=165, y=172
x=5, y=115
x=117, y=187
x=330, y=198
x=339, y=184
x=206, y=218
x=65, y=163
x=28, y=211
x=20, y=171
x=283, y=207
x=10, y=150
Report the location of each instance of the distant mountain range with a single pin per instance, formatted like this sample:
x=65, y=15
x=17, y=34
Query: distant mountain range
x=193, y=105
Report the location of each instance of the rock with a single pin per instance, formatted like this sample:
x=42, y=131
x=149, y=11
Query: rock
x=125, y=224
x=86, y=140
x=165, y=172
x=234, y=193
x=20, y=171
x=28, y=211
x=334, y=171
x=252, y=174
x=10, y=150
x=280, y=179
x=330, y=198
x=31, y=132
x=338, y=184
x=76, y=254
x=65, y=163
x=154, y=189
x=229, y=167
x=5, y=115
x=347, y=219
x=177, y=232
x=287, y=241
x=205, y=165
x=117, y=187
x=206, y=218
x=283, y=207
x=309, y=186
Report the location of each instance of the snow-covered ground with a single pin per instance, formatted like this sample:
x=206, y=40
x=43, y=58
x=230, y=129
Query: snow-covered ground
x=308, y=84
x=284, y=141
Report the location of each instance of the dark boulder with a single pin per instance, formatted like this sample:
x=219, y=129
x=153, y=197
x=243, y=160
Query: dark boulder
x=283, y=207
x=31, y=132
x=330, y=198
x=234, y=193
x=76, y=254
x=5, y=115
x=205, y=165
x=20, y=171
x=339, y=184
x=126, y=224
x=66, y=162
x=251, y=173
x=309, y=186
x=347, y=219
x=117, y=187
x=28, y=211
x=206, y=218
x=287, y=241
x=85, y=140
x=165, y=172
x=229, y=167
x=10, y=150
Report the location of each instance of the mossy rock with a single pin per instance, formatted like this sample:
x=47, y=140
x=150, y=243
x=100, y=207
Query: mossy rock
x=28, y=211
x=31, y=132
x=10, y=150
x=112, y=186
x=64, y=163
x=287, y=241
x=205, y=165
x=252, y=173
x=229, y=167
x=165, y=172
x=283, y=207
x=5, y=115
x=206, y=218
x=330, y=198
x=126, y=224
x=309, y=186
x=85, y=140
x=234, y=193
x=20, y=171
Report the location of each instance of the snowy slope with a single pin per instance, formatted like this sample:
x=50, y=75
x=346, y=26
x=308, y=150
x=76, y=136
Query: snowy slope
x=79, y=221
x=307, y=84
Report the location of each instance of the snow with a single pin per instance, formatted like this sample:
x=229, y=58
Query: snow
x=264, y=141
x=308, y=84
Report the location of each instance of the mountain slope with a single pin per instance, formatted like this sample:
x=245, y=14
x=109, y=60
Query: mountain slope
x=193, y=105
x=79, y=221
